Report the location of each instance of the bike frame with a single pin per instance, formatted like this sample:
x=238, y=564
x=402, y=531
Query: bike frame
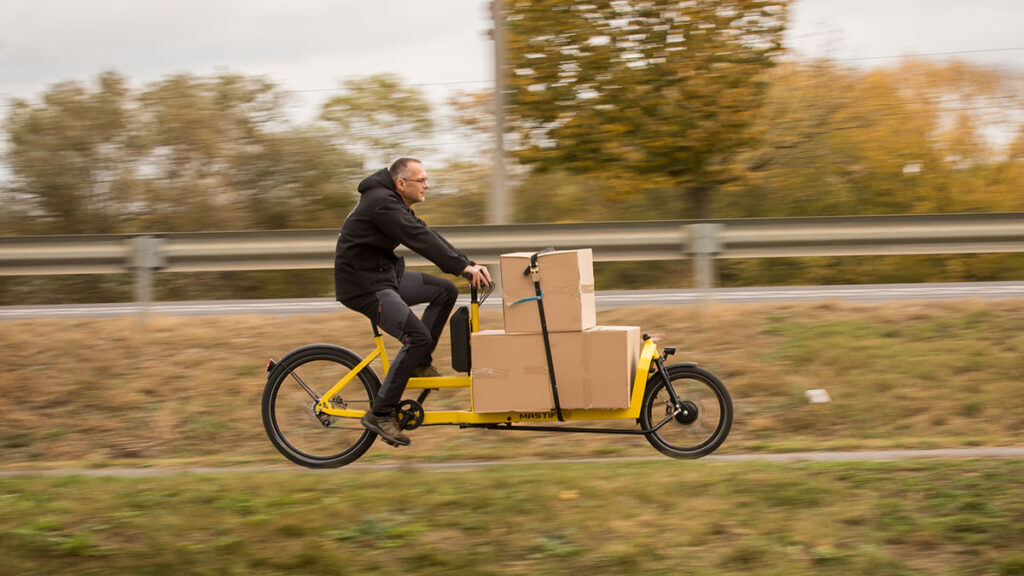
x=648, y=359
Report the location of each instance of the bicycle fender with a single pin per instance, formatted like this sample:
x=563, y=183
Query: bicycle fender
x=286, y=359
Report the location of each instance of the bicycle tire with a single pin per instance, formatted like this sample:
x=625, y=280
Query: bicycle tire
x=702, y=427
x=294, y=428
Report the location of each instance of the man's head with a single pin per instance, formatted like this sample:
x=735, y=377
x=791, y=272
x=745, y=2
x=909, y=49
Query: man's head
x=410, y=180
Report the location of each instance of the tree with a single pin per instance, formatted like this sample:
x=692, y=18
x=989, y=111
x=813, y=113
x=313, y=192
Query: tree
x=72, y=157
x=296, y=179
x=379, y=118
x=196, y=130
x=911, y=138
x=1008, y=177
x=222, y=155
x=186, y=153
x=645, y=98
x=459, y=188
x=458, y=194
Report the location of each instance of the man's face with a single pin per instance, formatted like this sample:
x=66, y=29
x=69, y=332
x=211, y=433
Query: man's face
x=413, y=187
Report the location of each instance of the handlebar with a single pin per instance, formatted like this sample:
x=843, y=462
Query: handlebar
x=474, y=292
x=469, y=277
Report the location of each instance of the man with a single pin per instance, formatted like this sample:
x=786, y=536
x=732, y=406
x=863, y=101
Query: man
x=369, y=278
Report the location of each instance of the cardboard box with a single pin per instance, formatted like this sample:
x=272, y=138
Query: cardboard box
x=594, y=369
x=567, y=282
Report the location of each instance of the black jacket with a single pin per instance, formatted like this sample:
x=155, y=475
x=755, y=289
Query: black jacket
x=365, y=260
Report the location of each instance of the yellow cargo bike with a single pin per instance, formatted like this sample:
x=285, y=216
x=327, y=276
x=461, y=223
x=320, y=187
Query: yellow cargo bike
x=315, y=396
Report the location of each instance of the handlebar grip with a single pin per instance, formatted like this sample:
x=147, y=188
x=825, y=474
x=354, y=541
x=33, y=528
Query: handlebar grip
x=469, y=277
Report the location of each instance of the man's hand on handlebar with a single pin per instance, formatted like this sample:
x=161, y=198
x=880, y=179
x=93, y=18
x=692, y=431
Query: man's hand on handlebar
x=477, y=275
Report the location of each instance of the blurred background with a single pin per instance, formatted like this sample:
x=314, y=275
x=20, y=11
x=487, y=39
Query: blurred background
x=137, y=447
x=123, y=117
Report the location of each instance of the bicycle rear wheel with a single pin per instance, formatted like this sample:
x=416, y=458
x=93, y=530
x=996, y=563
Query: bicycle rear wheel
x=289, y=407
x=705, y=415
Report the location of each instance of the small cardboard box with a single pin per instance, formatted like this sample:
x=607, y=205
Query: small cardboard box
x=594, y=369
x=567, y=283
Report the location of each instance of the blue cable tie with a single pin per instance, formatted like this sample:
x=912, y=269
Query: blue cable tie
x=526, y=300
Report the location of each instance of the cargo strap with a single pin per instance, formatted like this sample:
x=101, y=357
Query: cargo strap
x=534, y=272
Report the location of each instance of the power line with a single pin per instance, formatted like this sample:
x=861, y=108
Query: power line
x=929, y=54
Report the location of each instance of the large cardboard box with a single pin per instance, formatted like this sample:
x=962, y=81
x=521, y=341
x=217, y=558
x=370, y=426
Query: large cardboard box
x=567, y=282
x=594, y=369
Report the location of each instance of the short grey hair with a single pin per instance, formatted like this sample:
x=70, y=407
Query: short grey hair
x=400, y=168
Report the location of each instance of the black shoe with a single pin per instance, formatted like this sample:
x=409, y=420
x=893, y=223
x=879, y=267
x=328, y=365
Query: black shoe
x=386, y=427
x=427, y=371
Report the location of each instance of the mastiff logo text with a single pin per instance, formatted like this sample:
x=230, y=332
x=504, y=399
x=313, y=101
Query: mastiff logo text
x=537, y=415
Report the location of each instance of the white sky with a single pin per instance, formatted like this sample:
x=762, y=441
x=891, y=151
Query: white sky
x=871, y=32
x=306, y=46
x=303, y=45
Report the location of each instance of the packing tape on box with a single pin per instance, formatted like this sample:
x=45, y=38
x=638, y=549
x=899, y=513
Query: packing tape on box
x=588, y=393
x=569, y=289
x=490, y=373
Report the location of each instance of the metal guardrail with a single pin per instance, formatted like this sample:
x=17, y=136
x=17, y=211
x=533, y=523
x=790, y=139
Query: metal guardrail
x=701, y=241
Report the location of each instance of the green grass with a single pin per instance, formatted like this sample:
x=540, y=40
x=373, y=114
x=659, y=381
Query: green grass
x=958, y=517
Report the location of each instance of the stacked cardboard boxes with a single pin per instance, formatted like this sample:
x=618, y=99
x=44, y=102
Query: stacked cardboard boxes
x=567, y=282
x=594, y=365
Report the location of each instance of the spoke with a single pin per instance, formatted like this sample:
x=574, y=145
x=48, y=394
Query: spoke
x=663, y=422
x=333, y=427
x=313, y=395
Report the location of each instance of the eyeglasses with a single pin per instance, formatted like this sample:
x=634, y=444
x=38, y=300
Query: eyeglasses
x=421, y=181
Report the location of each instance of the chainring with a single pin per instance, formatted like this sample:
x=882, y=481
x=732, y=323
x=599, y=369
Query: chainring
x=410, y=415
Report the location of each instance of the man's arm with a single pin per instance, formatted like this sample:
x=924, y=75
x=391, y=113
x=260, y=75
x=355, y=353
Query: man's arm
x=393, y=218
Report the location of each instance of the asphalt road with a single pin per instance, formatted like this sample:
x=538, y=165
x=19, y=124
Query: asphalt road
x=605, y=299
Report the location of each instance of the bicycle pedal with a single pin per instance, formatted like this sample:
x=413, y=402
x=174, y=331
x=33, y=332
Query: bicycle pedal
x=392, y=443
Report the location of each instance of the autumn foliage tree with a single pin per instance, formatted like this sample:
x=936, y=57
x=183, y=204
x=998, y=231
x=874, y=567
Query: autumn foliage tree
x=916, y=137
x=649, y=99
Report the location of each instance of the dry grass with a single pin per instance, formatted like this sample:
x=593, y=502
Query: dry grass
x=187, y=389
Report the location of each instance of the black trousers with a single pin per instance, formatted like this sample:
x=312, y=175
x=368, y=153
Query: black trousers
x=389, y=310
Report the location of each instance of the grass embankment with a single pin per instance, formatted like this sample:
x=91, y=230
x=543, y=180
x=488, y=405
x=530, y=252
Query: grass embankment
x=102, y=392
x=661, y=517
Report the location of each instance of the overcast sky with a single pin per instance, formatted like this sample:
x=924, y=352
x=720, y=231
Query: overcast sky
x=306, y=46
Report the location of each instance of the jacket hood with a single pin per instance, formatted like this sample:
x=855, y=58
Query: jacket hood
x=379, y=179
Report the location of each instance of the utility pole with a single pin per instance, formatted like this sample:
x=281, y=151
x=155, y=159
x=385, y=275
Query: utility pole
x=498, y=206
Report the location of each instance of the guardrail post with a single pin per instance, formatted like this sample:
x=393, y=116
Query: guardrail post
x=704, y=244
x=145, y=257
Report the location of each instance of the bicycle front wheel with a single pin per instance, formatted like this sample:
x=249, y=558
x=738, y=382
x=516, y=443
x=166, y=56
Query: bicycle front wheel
x=294, y=426
x=702, y=421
